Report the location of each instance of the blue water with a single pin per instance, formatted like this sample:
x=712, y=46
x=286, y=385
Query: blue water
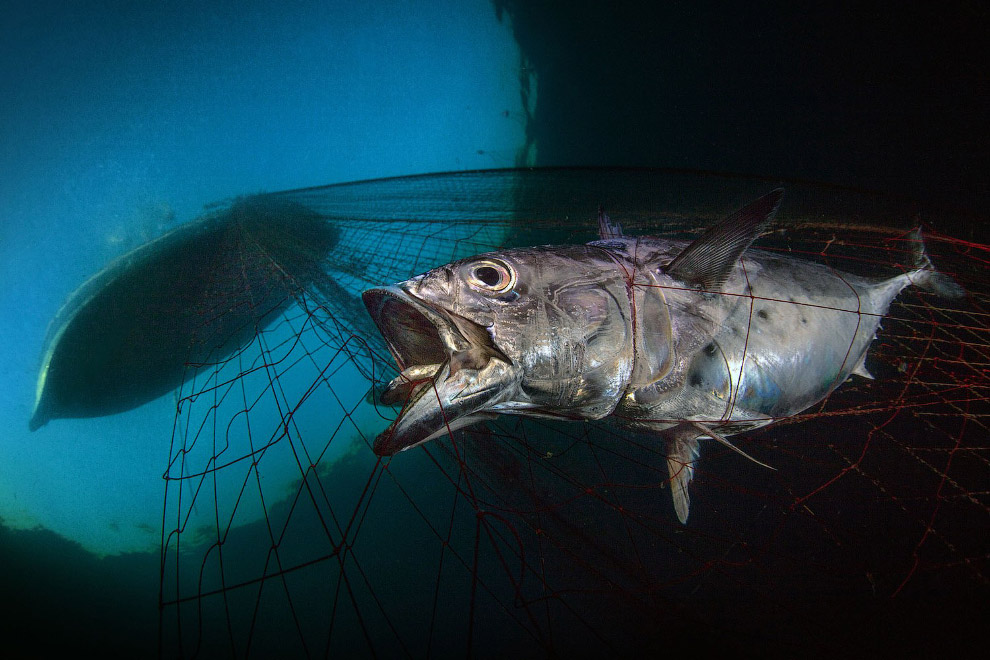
x=124, y=119
x=121, y=120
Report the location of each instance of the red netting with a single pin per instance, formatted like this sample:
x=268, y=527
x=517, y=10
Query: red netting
x=284, y=533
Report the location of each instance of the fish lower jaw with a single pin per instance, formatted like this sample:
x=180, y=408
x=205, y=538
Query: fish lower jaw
x=419, y=372
x=410, y=380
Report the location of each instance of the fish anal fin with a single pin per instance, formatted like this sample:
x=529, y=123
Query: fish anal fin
x=709, y=260
x=861, y=369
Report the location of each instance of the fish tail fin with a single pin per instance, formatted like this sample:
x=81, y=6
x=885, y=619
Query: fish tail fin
x=925, y=276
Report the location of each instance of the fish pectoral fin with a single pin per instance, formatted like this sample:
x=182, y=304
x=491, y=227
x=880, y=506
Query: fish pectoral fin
x=682, y=452
x=708, y=261
x=707, y=430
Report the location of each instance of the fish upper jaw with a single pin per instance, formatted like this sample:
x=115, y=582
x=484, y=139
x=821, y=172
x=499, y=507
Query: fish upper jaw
x=451, y=372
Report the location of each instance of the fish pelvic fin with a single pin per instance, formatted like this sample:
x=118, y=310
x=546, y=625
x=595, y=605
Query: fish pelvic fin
x=681, y=472
x=925, y=276
x=682, y=452
x=708, y=431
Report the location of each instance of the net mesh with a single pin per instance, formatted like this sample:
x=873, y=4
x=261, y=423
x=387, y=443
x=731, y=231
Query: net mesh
x=283, y=532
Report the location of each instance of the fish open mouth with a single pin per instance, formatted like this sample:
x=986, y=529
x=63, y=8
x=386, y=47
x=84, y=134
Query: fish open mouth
x=432, y=346
x=411, y=330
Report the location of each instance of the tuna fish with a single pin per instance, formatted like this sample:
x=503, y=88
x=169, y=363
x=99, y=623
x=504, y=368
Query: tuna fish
x=688, y=340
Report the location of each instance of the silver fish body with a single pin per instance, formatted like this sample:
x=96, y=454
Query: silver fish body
x=778, y=337
x=690, y=340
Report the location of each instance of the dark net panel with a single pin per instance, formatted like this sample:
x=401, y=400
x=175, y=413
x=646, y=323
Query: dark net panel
x=284, y=533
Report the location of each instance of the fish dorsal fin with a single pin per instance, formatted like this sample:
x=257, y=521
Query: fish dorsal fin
x=708, y=261
x=606, y=228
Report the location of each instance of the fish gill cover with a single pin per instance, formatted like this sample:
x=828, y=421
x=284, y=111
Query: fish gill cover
x=547, y=538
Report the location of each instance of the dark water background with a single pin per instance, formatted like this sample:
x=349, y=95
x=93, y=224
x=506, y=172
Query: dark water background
x=871, y=96
x=862, y=95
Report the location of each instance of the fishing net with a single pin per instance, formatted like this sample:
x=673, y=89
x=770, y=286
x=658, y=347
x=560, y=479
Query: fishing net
x=284, y=533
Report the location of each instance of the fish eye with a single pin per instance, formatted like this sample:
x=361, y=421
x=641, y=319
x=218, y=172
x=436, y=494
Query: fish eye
x=492, y=276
